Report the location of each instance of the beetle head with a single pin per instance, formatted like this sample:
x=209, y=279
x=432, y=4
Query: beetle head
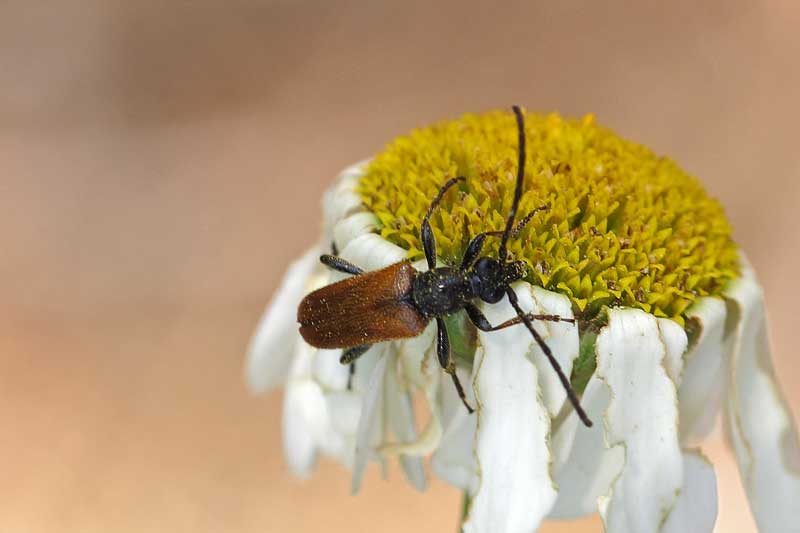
x=491, y=278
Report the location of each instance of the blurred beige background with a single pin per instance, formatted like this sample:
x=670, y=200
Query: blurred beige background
x=160, y=163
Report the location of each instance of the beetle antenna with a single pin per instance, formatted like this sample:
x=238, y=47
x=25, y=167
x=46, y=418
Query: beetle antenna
x=518, y=188
x=436, y=201
x=573, y=397
x=512, y=296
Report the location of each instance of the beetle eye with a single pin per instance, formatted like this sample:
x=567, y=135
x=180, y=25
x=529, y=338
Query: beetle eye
x=490, y=274
x=494, y=295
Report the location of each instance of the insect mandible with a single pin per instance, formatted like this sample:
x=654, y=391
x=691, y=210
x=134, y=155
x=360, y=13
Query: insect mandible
x=399, y=301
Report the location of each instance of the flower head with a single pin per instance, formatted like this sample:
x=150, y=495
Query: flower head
x=623, y=227
x=669, y=330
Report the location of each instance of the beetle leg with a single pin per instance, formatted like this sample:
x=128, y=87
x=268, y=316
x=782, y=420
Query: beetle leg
x=428, y=243
x=339, y=264
x=349, y=357
x=351, y=372
x=473, y=251
x=480, y=321
x=443, y=345
x=426, y=233
x=443, y=351
x=351, y=354
x=531, y=316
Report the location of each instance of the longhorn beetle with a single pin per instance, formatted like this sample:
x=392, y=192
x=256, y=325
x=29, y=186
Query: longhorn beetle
x=399, y=301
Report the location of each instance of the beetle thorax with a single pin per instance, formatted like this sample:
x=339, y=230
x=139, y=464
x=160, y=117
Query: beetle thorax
x=441, y=291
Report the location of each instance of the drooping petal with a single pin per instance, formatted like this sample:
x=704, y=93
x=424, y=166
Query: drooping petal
x=370, y=423
x=345, y=411
x=759, y=422
x=418, y=368
x=344, y=405
x=400, y=415
x=428, y=380
x=305, y=414
x=675, y=342
x=417, y=359
x=589, y=468
x=585, y=469
x=700, y=392
x=454, y=460
x=303, y=410
x=328, y=371
x=642, y=418
x=515, y=490
x=561, y=337
x=695, y=510
x=270, y=350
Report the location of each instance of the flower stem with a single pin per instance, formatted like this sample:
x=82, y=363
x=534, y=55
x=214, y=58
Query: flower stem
x=466, y=501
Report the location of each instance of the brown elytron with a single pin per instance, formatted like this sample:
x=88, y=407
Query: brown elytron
x=366, y=309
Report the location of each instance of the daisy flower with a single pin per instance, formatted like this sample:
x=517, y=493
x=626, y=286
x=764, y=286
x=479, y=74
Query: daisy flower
x=666, y=333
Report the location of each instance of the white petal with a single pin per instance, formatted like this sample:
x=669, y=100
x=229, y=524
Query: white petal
x=418, y=367
x=345, y=409
x=356, y=169
x=675, y=341
x=303, y=410
x=760, y=424
x=353, y=226
x=400, y=416
x=364, y=366
x=329, y=372
x=371, y=252
x=643, y=418
x=584, y=467
x=305, y=414
x=454, y=461
x=419, y=363
x=696, y=508
x=342, y=200
x=561, y=337
x=429, y=439
x=336, y=438
x=700, y=393
x=270, y=350
x=369, y=425
x=588, y=471
x=515, y=490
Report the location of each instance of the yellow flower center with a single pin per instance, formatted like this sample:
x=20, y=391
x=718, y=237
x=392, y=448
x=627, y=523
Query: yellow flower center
x=622, y=225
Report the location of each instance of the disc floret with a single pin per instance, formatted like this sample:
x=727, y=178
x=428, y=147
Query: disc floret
x=622, y=227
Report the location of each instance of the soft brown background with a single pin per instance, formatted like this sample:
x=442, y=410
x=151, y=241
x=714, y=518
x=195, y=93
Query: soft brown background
x=160, y=163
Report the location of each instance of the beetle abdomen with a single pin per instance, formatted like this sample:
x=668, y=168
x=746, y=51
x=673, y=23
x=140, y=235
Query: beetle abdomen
x=365, y=309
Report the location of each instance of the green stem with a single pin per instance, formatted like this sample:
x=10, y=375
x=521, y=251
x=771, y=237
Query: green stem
x=466, y=501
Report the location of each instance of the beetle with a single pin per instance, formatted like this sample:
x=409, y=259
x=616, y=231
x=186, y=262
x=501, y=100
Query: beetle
x=399, y=301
